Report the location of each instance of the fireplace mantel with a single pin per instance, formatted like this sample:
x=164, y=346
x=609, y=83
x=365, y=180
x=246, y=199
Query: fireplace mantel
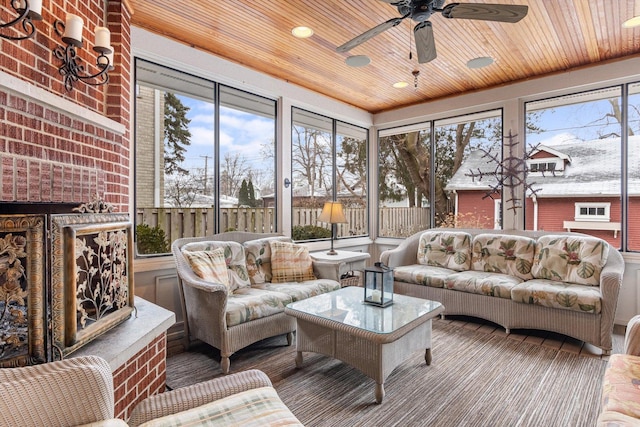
x=118, y=345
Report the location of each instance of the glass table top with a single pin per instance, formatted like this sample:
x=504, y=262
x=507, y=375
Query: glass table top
x=346, y=306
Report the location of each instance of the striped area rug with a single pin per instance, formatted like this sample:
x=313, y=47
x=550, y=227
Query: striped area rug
x=476, y=379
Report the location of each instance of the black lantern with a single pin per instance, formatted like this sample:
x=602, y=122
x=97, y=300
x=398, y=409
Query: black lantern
x=378, y=285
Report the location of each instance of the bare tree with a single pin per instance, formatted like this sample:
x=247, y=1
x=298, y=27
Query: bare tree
x=311, y=159
x=234, y=169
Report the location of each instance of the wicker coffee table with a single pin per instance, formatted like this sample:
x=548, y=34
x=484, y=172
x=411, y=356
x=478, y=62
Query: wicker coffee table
x=372, y=339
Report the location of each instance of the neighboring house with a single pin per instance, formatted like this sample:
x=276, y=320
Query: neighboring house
x=576, y=187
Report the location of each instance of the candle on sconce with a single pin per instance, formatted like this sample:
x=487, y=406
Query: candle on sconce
x=107, y=59
x=103, y=39
x=73, y=29
x=35, y=9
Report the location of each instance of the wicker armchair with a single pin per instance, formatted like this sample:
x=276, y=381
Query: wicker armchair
x=70, y=392
x=204, y=303
x=205, y=401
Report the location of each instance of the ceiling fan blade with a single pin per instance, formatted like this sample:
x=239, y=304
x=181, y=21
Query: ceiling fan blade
x=358, y=40
x=425, y=43
x=486, y=12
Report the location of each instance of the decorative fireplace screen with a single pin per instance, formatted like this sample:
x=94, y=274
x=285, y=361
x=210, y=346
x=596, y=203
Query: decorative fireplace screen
x=91, y=286
x=57, y=294
x=22, y=300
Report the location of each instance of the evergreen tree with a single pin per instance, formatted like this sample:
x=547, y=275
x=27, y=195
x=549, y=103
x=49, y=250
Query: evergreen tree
x=251, y=194
x=243, y=194
x=176, y=133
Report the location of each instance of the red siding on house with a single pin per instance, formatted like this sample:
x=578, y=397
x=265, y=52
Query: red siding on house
x=47, y=154
x=475, y=211
x=553, y=212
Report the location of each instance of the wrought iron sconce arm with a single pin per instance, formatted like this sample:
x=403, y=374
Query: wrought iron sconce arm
x=26, y=16
x=72, y=69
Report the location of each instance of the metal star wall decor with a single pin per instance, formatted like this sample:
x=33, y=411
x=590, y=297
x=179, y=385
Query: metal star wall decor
x=510, y=173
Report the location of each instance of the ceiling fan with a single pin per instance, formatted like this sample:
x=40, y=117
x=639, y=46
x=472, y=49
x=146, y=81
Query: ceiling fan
x=421, y=10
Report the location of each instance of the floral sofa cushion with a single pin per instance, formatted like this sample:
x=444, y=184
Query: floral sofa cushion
x=448, y=249
x=299, y=291
x=483, y=283
x=549, y=293
x=573, y=259
x=620, y=389
x=258, y=258
x=247, y=304
x=506, y=254
x=422, y=275
x=234, y=257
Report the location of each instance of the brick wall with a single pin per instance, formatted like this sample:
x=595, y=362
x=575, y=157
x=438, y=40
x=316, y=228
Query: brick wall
x=53, y=149
x=142, y=376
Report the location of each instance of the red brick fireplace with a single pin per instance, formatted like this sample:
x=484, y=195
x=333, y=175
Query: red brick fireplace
x=62, y=148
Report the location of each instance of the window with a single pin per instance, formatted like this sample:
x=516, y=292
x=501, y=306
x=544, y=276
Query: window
x=193, y=178
x=582, y=130
x=543, y=167
x=468, y=152
x=592, y=211
x=329, y=162
x=422, y=184
x=404, y=190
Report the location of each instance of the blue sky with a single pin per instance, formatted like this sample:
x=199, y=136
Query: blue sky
x=240, y=132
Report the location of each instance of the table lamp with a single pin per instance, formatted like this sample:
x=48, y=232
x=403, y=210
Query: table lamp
x=333, y=214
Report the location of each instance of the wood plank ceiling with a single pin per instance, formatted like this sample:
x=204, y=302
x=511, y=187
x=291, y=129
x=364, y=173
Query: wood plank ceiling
x=555, y=36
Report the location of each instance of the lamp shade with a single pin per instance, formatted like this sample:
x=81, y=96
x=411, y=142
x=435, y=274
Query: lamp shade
x=332, y=213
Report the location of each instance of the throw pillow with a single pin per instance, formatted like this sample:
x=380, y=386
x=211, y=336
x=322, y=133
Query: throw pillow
x=258, y=253
x=234, y=257
x=447, y=249
x=290, y=262
x=209, y=265
x=572, y=259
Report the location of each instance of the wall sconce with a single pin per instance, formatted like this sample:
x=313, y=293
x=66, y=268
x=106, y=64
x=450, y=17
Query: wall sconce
x=71, y=34
x=28, y=11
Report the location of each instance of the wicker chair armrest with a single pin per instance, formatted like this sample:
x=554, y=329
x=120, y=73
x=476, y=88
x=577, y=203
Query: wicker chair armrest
x=185, y=398
x=73, y=391
x=632, y=337
x=406, y=253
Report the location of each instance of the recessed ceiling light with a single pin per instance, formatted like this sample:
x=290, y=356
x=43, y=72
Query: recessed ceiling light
x=400, y=85
x=480, y=62
x=633, y=22
x=302, y=32
x=357, y=60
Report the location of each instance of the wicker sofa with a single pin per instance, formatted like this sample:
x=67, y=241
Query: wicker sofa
x=230, y=317
x=561, y=282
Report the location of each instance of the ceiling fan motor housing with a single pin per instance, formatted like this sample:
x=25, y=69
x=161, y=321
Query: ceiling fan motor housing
x=420, y=10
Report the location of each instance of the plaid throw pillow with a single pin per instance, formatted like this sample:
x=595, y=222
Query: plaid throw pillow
x=290, y=263
x=209, y=265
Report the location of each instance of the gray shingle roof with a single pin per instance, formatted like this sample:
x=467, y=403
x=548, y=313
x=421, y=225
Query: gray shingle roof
x=594, y=170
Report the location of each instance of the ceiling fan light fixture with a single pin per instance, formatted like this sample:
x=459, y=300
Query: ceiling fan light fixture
x=631, y=22
x=480, y=62
x=302, y=32
x=357, y=60
x=400, y=85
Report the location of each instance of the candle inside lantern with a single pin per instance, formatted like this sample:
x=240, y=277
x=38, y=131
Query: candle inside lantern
x=73, y=28
x=103, y=38
x=376, y=296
